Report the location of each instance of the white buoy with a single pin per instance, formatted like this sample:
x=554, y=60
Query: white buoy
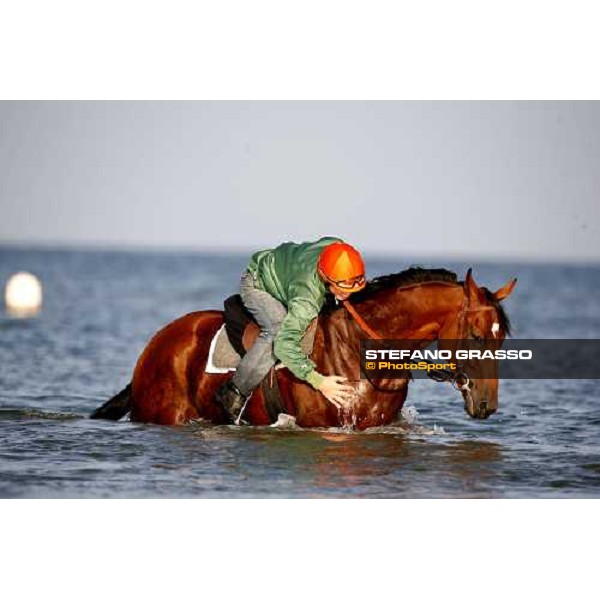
x=23, y=295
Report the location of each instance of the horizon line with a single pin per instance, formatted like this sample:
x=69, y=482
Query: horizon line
x=135, y=247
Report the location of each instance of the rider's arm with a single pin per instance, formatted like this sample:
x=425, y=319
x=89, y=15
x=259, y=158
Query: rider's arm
x=301, y=311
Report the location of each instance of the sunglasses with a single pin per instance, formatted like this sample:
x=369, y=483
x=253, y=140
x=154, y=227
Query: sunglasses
x=349, y=284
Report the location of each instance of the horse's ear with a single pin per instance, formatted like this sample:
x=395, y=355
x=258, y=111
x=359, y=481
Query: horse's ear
x=506, y=291
x=470, y=285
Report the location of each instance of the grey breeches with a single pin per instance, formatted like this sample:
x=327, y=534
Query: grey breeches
x=269, y=314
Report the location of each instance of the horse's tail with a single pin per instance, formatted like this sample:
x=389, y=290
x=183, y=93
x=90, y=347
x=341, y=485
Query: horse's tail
x=118, y=406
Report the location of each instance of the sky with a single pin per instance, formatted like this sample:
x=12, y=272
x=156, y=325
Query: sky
x=481, y=180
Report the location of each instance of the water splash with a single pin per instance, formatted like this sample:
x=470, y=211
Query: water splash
x=407, y=423
x=285, y=422
x=410, y=414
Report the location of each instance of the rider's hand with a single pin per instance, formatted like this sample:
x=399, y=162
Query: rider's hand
x=335, y=391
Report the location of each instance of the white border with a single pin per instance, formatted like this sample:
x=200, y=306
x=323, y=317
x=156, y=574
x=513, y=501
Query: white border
x=274, y=549
x=327, y=49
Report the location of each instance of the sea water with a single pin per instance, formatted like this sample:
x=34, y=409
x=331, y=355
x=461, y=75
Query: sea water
x=102, y=307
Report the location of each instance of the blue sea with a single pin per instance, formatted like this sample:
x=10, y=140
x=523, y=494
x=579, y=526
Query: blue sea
x=102, y=307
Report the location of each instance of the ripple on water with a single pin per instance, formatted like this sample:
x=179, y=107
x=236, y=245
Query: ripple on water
x=11, y=414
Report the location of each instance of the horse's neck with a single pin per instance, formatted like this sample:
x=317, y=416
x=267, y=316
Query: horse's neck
x=418, y=312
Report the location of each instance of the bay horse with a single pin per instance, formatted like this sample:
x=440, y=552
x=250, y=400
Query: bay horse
x=170, y=387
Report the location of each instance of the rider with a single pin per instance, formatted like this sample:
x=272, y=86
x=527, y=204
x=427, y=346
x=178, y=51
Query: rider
x=284, y=288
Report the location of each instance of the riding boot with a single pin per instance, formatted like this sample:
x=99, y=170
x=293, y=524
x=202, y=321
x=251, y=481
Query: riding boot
x=233, y=401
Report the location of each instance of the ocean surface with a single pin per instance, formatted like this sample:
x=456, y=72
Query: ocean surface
x=102, y=307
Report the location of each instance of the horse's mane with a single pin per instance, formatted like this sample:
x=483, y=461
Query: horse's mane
x=414, y=276
x=406, y=278
x=409, y=277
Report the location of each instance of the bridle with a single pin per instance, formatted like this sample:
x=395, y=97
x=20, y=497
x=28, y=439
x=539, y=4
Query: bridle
x=459, y=379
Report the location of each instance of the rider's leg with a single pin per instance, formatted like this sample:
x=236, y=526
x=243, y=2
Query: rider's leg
x=269, y=314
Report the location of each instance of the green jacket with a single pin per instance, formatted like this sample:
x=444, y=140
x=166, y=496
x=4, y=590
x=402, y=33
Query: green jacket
x=289, y=273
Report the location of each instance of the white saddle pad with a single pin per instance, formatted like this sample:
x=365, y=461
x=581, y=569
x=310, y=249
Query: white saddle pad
x=222, y=357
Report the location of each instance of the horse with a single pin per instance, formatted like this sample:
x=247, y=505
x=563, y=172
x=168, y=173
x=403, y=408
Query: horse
x=170, y=387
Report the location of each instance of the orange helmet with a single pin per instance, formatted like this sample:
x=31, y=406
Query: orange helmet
x=342, y=265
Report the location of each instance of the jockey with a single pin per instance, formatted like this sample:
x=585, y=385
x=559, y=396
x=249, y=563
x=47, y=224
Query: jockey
x=284, y=288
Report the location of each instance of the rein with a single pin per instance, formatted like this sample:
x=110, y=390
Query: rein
x=360, y=321
x=371, y=334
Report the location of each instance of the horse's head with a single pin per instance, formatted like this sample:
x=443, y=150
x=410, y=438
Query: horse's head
x=480, y=319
